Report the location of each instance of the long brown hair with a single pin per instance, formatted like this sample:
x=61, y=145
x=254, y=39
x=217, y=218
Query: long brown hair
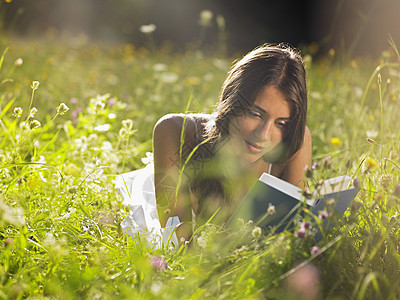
x=266, y=65
x=280, y=66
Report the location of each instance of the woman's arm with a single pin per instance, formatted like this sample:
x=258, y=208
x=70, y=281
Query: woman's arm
x=166, y=150
x=294, y=172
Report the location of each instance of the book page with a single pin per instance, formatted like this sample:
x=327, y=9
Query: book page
x=335, y=184
x=281, y=185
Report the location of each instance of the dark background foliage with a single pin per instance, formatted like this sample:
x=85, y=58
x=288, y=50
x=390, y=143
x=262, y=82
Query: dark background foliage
x=351, y=26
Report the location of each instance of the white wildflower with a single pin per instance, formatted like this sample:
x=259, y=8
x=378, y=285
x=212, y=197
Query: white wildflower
x=18, y=62
x=159, y=67
x=33, y=112
x=102, y=128
x=147, y=29
x=62, y=109
x=127, y=124
x=35, y=85
x=99, y=105
x=169, y=77
x=106, y=146
x=17, y=112
x=205, y=17
x=372, y=134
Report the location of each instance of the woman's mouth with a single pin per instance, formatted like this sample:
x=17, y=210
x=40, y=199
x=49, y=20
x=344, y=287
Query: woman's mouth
x=254, y=148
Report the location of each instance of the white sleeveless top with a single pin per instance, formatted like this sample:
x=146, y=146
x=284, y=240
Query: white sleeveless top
x=138, y=193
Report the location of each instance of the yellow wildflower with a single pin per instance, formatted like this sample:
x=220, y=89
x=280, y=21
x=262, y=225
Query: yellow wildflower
x=371, y=163
x=336, y=141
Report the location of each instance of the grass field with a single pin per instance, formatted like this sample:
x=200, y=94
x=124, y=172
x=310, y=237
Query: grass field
x=60, y=215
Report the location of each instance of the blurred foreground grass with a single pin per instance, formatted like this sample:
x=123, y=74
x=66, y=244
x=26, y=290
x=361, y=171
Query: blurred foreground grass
x=60, y=215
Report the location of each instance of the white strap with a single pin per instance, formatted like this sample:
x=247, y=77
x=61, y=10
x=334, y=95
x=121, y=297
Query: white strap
x=269, y=168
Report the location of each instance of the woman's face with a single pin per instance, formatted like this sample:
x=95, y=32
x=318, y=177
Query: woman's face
x=259, y=130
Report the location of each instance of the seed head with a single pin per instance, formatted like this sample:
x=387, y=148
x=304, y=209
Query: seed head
x=371, y=141
x=72, y=189
x=35, y=85
x=62, y=109
x=34, y=124
x=256, y=233
x=385, y=180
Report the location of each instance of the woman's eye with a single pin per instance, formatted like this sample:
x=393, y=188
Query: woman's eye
x=253, y=113
x=282, y=123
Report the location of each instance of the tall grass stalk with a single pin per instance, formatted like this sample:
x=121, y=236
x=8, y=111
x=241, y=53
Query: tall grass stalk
x=381, y=116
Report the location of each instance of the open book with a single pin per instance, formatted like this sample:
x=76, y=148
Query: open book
x=287, y=200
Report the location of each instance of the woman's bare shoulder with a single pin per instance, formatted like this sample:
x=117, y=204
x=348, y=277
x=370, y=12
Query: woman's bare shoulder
x=172, y=123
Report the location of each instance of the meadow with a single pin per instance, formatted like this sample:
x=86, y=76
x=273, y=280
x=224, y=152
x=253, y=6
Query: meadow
x=75, y=113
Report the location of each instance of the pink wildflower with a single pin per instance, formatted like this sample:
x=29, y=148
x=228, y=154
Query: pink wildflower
x=159, y=263
x=323, y=214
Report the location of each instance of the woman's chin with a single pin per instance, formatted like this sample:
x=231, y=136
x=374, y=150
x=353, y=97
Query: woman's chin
x=251, y=158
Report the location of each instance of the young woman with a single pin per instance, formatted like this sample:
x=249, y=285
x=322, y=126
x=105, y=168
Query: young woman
x=204, y=163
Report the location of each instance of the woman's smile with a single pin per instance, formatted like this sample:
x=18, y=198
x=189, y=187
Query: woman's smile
x=255, y=148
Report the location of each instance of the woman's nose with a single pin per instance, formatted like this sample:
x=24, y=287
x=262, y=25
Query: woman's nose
x=263, y=131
